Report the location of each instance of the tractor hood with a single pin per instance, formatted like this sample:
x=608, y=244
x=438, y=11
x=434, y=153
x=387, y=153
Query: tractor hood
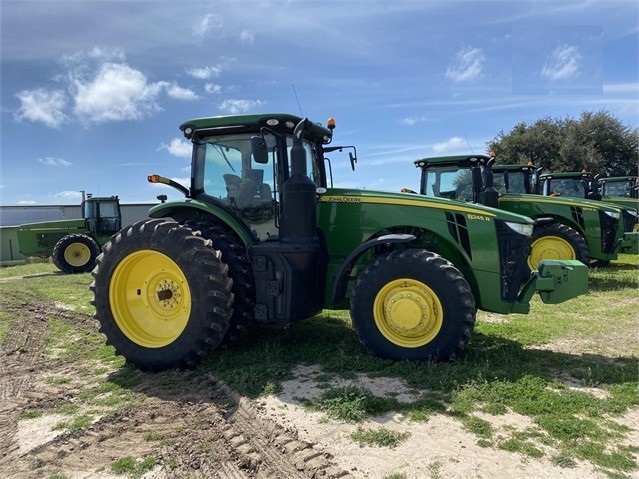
x=344, y=195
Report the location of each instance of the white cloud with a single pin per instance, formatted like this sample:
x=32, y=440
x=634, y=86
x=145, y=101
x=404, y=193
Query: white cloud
x=51, y=161
x=562, y=64
x=178, y=147
x=179, y=93
x=27, y=202
x=96, y=53
x=208, y=24
x=467, y=65
x=452, y=144
x=42, y=105
x=117, y=92
x=247, y=37
x=204, y=73
x=412, y=120
x=69, y=195
x=212, y=88
x=235, y=106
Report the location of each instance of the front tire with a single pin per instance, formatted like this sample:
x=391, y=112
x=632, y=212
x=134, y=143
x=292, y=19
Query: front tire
x=162, y=295
x=557, y=241
x=75, y=253
x=413, y=305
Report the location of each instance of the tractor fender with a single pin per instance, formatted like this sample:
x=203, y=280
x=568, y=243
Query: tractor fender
x=544, y=220
x=341, y=278
x=193, y=209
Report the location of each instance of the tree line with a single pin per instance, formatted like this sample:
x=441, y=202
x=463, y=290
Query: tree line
x=596, y=142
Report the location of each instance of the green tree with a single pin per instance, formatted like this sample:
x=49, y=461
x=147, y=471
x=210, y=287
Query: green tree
x=597, y=142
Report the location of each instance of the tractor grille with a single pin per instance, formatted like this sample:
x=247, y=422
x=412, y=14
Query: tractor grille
x=514, y=249
x=459, y=231
x=578, y=216
x=609, y=227
x=629, y=221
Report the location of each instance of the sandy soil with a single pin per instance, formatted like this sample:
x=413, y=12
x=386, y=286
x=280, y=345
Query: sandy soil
x=202, y=429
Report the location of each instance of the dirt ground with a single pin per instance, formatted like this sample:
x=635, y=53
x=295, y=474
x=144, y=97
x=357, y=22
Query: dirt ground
x=208, y=431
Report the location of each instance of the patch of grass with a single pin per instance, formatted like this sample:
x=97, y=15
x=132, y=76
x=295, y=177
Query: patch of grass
x=30, y=414
x=434, y=470
x=381, y=437
x=58, y=380
x=397, y=475
x=479, y=427
x=521, y=446
x=132, y=467
x=80, y=422
x=351, y=404
x=35, y=267
x=152, y=436
x=66, y=408
x=108, y=394
x=563, y=460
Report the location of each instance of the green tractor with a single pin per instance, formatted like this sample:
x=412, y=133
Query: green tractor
x=619, y=187
x=586, y=185
x=565, y=228
x=73, y=245
x=263, y=238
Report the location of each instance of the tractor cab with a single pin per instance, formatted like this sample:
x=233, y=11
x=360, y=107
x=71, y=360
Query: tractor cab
x=620, y=186
x=102, y=215
x=242, y=165
x=571, y=185
x=518, y=179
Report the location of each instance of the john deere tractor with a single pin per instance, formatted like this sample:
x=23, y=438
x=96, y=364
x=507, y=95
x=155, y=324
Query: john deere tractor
x=565, y=228
x=619, y=187
x=263, y=238
x=584, y=184
x=73, y=245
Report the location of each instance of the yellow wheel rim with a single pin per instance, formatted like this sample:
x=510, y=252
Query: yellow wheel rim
x=408, y=313
x=549, y=247
x=77, y=254
x=150, y=298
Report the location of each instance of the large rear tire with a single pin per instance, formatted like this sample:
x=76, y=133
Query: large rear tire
x=75, y=253
x=162, y=295
x=557, y=241
x=234, y=254
x=413, y=305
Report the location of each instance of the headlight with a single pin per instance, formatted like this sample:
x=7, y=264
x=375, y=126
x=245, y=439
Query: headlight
x=612, y=214
x=521, y=228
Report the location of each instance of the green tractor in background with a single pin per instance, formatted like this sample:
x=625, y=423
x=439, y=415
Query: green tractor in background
x=565, y=228
x=619, y=188
x=617, y=191
x=263, y=238
x=73, y=245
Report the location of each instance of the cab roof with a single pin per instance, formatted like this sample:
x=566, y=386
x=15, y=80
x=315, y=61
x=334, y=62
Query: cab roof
x=253, y=123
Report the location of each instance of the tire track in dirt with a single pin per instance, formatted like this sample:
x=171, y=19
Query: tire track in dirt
x=193, y=425
x=207, y=432
x=21, y=353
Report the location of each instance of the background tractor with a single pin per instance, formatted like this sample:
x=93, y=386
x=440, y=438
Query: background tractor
x=586, y=185
x=263, y=238
x=565, y=228
x=73, y=244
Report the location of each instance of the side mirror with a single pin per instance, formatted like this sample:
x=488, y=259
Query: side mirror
x=259, y=149
x=353, y=160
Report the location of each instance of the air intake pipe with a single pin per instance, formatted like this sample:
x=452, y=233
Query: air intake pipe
x=298, y=221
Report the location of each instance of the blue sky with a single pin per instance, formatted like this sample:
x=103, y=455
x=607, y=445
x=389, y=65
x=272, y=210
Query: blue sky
x=92, y=92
